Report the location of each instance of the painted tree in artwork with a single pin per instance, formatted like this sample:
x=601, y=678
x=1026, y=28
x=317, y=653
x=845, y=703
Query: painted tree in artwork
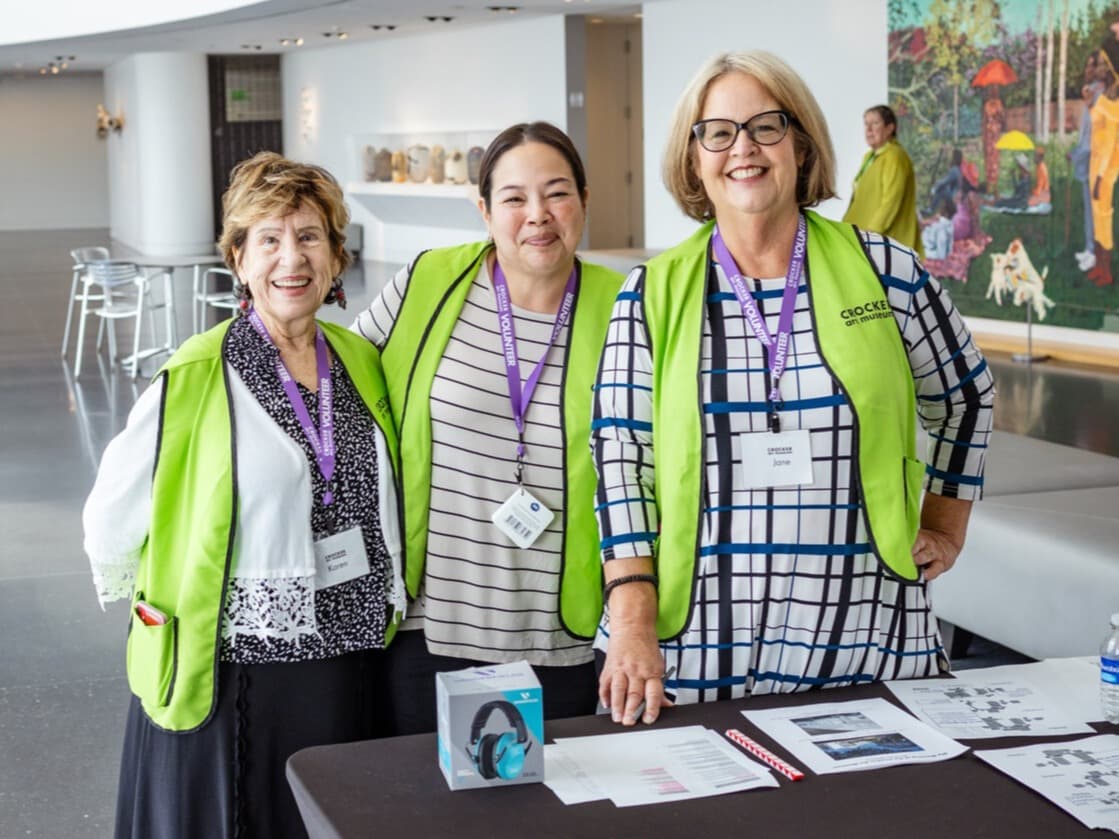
x=956, y=30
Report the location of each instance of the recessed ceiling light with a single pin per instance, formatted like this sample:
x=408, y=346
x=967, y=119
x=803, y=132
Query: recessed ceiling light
x=438, y=18
x=377, y=26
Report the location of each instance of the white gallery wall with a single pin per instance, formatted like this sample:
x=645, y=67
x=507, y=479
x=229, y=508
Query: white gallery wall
x=159, y=164
x=479, y=79
x=55, y=171
x=838, y=48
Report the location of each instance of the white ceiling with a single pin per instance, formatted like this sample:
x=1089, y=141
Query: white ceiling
x=264, y=24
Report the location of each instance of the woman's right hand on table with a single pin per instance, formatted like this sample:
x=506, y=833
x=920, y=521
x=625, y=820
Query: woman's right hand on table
x=633, y=675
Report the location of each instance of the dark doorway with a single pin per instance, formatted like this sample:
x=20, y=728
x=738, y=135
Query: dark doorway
x=246, y=114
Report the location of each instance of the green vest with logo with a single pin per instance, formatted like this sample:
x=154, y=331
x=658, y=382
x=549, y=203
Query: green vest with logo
x=433, y=300
x=185, y=563
x=860, y=345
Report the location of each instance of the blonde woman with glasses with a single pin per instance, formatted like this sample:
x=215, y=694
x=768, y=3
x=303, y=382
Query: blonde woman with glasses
x=755, y=421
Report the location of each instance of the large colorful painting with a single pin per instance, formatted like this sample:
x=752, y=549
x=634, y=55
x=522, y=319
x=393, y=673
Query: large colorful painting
x=1010, y=112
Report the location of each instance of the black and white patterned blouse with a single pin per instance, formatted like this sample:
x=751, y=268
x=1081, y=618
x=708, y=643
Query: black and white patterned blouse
x=352, y=615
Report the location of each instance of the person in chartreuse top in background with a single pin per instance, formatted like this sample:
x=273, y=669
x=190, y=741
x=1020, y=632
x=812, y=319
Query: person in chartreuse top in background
x=490, y=351
x=249, y=512
x=884, y=195
x=755, y=422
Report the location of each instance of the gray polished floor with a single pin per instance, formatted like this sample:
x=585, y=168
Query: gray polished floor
x=62, y=686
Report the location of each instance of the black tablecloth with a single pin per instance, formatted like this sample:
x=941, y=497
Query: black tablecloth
x=393, y=788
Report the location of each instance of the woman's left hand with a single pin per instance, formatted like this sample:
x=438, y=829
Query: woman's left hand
x=934, y=552
x=941, y=535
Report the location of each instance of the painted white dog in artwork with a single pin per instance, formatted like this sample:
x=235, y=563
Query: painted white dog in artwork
x=1013, y=273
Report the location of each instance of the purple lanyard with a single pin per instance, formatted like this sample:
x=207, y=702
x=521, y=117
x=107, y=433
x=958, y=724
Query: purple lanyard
x=520, y=398
x=777, y=349
x=321, y=439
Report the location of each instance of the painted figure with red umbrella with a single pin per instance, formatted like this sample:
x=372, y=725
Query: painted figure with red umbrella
x=991, y=77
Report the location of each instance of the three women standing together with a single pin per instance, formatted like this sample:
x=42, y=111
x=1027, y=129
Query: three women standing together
x=752, y=425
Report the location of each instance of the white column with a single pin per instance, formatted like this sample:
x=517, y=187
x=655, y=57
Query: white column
x=159, y=163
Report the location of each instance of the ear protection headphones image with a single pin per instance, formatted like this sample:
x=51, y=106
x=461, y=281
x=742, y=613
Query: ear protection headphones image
x=499, y=755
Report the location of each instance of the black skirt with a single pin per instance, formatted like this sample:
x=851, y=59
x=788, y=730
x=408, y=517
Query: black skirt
x=226, y=780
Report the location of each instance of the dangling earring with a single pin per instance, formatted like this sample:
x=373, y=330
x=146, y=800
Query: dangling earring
x=337, y=294
x=244, y=297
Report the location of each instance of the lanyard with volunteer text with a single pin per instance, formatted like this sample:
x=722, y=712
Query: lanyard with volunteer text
x=519, y=398
x=776, y=347
x=322, y=438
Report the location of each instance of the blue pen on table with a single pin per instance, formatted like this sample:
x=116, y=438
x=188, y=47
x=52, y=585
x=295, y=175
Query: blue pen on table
x=640, y=710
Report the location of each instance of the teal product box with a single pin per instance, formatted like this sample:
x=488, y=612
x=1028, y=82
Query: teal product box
x=491, y=726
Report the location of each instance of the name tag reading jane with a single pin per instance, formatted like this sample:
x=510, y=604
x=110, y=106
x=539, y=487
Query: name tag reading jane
x=774, y=460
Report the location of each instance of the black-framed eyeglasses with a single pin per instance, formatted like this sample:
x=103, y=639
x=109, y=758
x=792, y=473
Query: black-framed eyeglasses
x=766, y=129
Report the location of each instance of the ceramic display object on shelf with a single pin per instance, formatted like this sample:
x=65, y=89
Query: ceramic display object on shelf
x=382, y=166
x=419, y=163
x=474, y=163
x=438, y=160
x=369, y=163
x=455, y=167
x=399, y=167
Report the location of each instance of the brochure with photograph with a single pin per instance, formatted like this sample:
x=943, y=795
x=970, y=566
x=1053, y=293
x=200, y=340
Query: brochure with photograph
x=852, y=736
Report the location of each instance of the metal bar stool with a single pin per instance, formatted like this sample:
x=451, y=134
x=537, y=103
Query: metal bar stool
x=127, y=294
x=223, y=294
x=80, y=280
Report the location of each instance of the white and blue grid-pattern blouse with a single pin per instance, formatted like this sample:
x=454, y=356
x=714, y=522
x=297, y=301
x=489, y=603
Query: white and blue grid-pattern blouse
x=767, y=619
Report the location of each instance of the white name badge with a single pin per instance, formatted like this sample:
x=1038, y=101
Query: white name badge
x=774, y=460
x=340, y=558
x=522, y=518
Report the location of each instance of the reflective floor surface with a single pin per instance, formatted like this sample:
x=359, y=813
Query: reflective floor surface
x=62, y=686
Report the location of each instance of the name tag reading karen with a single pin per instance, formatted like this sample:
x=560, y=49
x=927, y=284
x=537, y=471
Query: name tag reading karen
x=340, y=558
x=774, y=460
x=522, y=518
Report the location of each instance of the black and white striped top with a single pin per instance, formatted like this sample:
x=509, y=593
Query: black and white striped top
x=789, y=595
x=483, y=598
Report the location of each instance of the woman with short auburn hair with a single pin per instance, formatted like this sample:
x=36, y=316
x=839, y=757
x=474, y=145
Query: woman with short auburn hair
x=248, y=512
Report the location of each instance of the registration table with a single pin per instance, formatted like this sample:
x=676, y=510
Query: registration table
x=393, y=788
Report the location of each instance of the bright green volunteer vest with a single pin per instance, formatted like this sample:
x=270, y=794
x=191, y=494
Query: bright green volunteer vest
x=432, y=302
x=861, y=347
x=184, y=565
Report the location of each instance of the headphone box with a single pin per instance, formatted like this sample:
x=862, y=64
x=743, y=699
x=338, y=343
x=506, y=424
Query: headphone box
x=491, y=726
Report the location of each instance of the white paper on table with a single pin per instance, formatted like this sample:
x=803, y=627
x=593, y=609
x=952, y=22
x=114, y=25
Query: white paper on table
x=978, y=707
x=664, y=764
x=564, y=777
x=1079, y=776
x=851, y=736
x=1072, y=684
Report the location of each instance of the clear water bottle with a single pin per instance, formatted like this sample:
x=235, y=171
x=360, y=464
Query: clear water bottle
x=1109, y=672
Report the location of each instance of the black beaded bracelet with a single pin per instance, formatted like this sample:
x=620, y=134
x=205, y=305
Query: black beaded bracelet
x=628, y=578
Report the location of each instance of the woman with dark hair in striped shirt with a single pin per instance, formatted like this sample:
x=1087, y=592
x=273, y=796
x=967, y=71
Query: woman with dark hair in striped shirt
x=490, y=351
x=755, y=421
